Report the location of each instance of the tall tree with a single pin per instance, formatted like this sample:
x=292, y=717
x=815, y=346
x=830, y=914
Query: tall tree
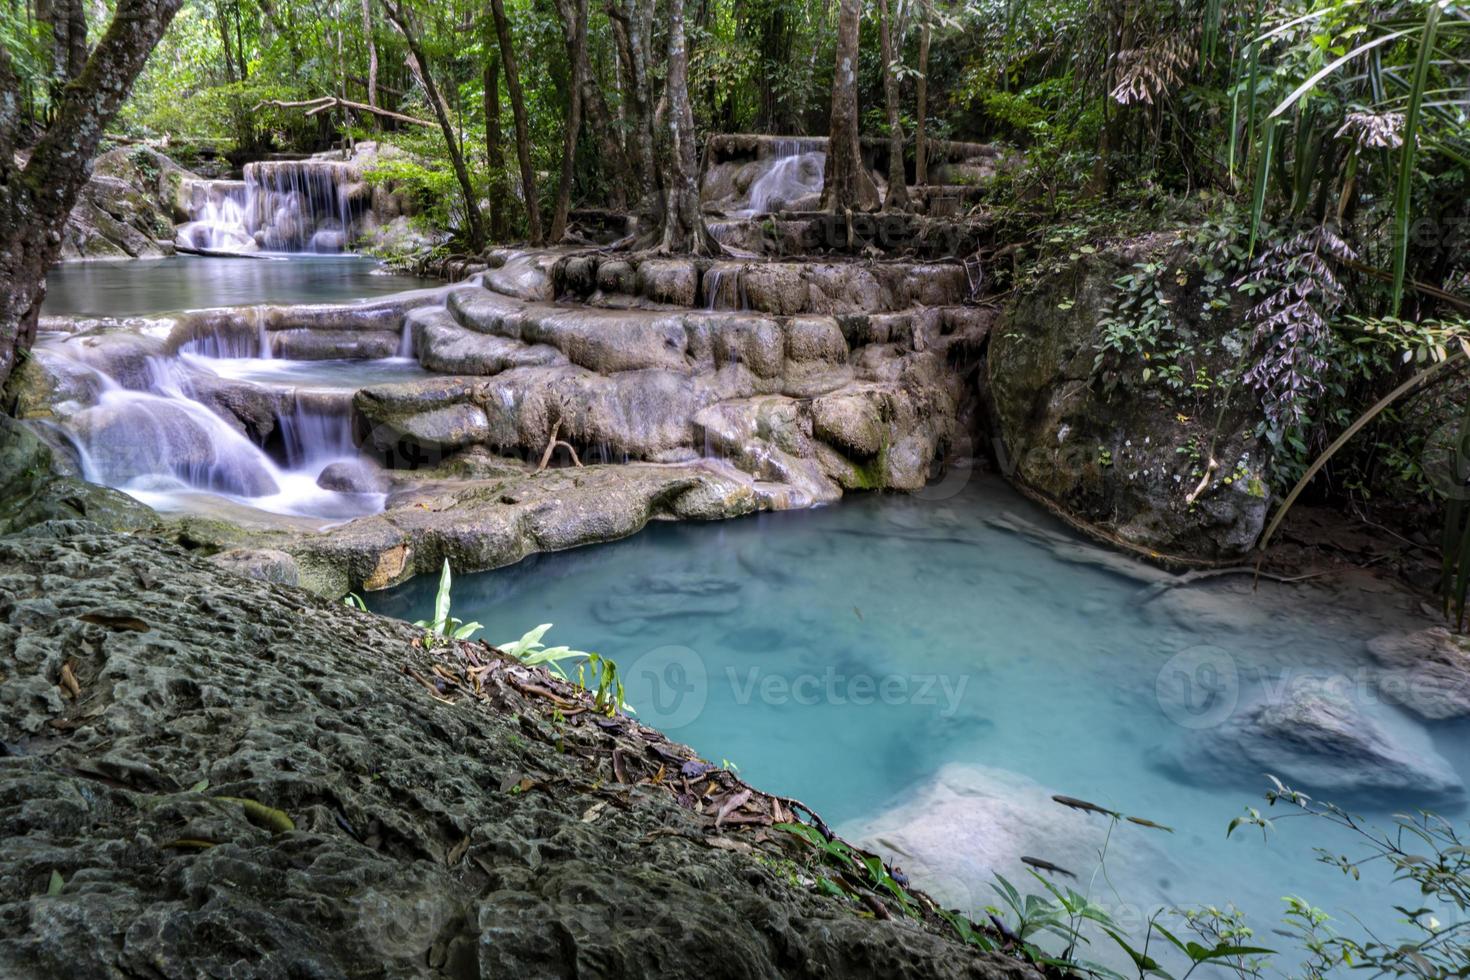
x=921, y=96
x=898, y=191
x=574, y=28
x=35, y=199
x=494, y=151
x=678, y=212
x=632, y=25
x=398, y=16
x=846, y=185
x=372, y=53
x=518, y=111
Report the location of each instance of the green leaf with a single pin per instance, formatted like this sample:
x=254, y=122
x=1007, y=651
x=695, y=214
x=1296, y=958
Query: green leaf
x=1403, y=193
x=441, y=600
x=54, y=886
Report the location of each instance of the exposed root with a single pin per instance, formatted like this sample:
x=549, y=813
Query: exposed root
x=1203, y=482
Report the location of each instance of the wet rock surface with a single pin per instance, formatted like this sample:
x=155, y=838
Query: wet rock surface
x=204, y=774
x=676, y=412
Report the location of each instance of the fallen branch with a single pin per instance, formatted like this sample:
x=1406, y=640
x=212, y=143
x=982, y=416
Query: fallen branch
x=1151, y=592
x=551, y=445
x=220, y=253
x=325, y=102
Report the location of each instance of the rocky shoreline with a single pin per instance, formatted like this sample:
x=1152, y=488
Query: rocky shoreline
x=206, y=772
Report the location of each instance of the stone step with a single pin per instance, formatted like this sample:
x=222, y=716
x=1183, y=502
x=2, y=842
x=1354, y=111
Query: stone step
x=777, y=288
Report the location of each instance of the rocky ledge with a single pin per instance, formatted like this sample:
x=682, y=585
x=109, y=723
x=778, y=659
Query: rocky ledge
x=204, y=774
x=560, y=398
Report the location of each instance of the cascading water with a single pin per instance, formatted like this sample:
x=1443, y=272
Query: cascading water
x=157, y=436
x=281, y=206
x=790, y=178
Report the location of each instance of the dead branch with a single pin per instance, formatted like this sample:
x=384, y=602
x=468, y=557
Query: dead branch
x=551, y=445
x=325, y=102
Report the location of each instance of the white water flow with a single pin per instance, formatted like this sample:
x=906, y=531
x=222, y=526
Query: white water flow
x=793, y=175
x=162, y=436
x=723, y=288
x=292, y=206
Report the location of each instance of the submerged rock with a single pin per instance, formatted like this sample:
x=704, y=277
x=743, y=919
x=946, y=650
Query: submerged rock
x=249, y=784
x=1315, y=738
x=954, y=833
x=1427, y=671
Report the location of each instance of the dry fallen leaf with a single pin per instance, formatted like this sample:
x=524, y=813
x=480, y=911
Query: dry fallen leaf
x=69, y=681
x=121, y=623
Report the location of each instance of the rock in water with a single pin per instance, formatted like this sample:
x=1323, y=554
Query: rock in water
x=1426, y=671
x=407, y=857
x=1317, y=739
x=353, y=476
x=952, y=835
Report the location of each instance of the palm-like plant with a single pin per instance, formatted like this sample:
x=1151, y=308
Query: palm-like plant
x=1354, y=101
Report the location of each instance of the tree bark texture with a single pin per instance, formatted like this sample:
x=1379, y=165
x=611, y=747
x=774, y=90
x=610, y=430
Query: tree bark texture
x=36, y=199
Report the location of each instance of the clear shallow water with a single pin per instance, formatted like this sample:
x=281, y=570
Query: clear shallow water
x=188, y=282
x=999, y=649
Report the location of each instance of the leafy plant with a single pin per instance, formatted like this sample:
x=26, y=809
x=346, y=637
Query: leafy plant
x=444, y=627
x=595, y=673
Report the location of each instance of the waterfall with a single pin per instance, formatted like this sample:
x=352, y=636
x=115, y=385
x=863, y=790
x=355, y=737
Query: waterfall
x=718, y=280
x=281, y=206
x=793, y=174
x=169, y=436
x=317, y=431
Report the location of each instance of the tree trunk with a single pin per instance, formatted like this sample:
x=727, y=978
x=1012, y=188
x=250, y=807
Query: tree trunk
x=845, y=185
x=518, y=110
x=372, y=53
x=36, y=200
x=632, y=24
x=574, y=27
x=897, y=198
x=420, y=67
x=494, y=153
x=599, y=121
x=680, y=227
x=921, y=126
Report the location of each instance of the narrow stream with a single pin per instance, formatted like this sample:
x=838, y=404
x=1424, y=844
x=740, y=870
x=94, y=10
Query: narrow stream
x=927, y=673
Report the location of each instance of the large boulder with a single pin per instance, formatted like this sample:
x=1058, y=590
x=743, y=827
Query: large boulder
x=1114, y=443
x=128, y=207
x=31, y=490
